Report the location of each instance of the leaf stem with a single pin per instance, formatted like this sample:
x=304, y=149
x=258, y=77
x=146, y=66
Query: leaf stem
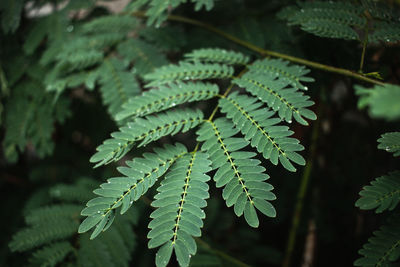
x=302, y=192
x=3, y=82
x=265, y=52
x=221, y=254
x=365, y=42
x=225, y=94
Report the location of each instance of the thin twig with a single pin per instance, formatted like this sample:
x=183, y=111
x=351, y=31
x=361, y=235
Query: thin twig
x=265, y=52
x=365, y=42
x=220, y=253
x=302, y=192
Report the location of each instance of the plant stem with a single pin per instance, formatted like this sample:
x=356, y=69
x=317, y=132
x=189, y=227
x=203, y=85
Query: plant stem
x=301, y=193
x=220, y=253
x=3, y=82
x=265, y=52
x=365, y=41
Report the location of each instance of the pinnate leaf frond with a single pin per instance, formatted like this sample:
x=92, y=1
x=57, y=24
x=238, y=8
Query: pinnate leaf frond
x=179, y=213
x=382, y=100
x=110, y=23
x=287, y=101
x=241, y=176
x=326, y=19
x=385, y=32
x=52, y=254
x=165, y=97
x=43, y=233
x=286, y=73
x=383, y=247
x=146, y=57
x=186, y=71
x=390, y=142
x=145, y=130
x=383, y=193
x=266, y=136
x=217, y=55
x=139, y=175
x=117, y=84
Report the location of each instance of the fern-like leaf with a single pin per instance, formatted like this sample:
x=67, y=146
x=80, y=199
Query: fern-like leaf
x=165, y=97
x=179, y=213
x=51, y=255
x=241, y=176
x=382, y=100
x=78, y=192
x=51, y=213
x=44, y=233
x=110, y=23
x=139, y=176
x=326, y=19
x=11, y=14
x=390, y=142
x=383, y=193
x=288, y=102
x=117, y=85
x=383, y=247
x=144, y=131
x=282, y=70
x=217, y=55
x=208, y=4
x=30, y=118
x=256, y=124
x=186, y=71
x=146, y=57
x=385, y=32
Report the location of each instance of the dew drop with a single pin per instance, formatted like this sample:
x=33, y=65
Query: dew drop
x=305, y=88
x=131, y=202
x=387, y=148
x=289, y=121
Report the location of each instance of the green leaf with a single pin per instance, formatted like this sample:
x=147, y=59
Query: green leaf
x=383, y=247
x=140, y=175
x=90, y=222
x=250, y=215
x=383, y=193
x=179, y=202
x=186, y=71
x=326, y=19
x=166, y=97
x=163, y=255
x=217, y=55
x=381, y=100
x=258, y=126
x=144, y=131
x=241, y=176
x=390, y=142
